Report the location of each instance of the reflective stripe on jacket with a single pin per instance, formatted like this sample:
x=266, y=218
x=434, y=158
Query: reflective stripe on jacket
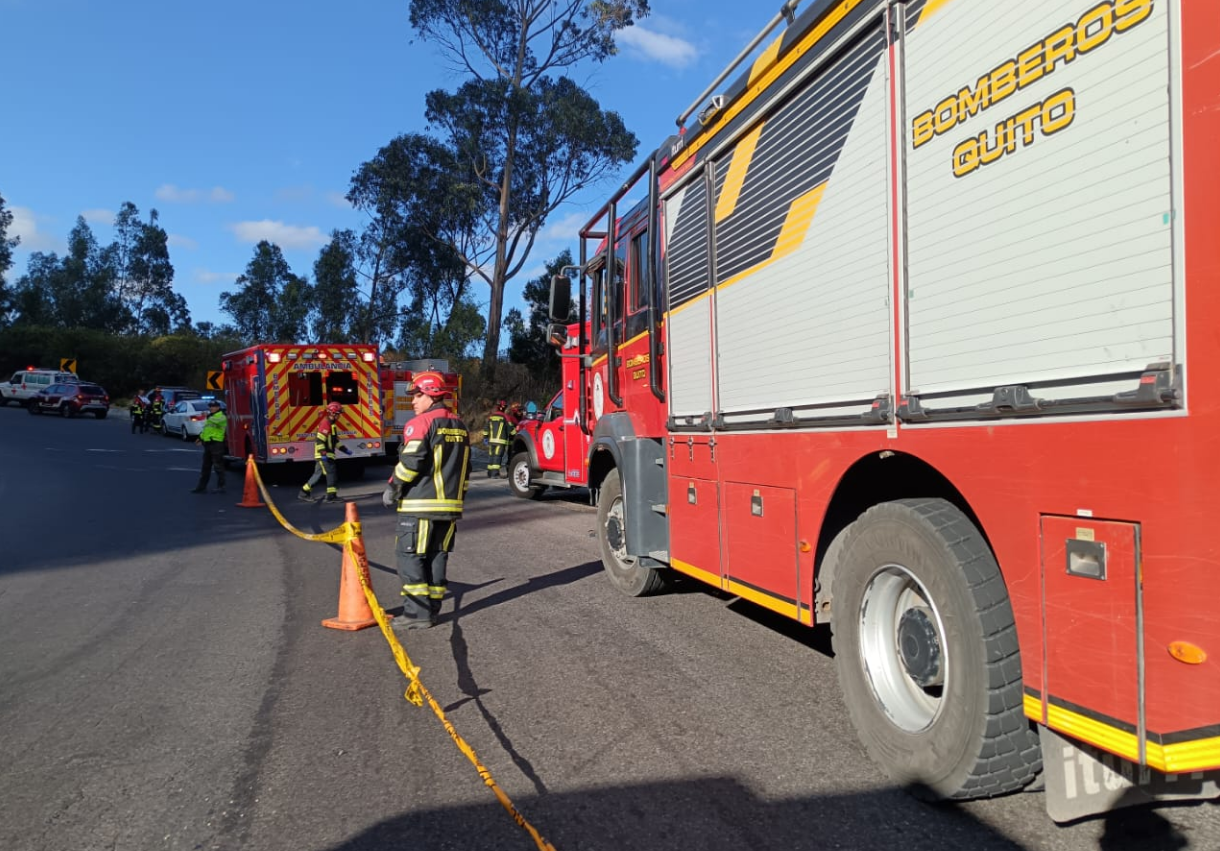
x=434, y=464
x=325, y=439
x=497, y=429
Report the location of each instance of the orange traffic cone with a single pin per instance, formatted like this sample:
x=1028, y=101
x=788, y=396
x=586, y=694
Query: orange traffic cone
x=354, y=611
x=249, y=497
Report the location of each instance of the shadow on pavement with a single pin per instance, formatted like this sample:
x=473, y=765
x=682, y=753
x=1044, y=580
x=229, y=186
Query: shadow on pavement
x=706, y=814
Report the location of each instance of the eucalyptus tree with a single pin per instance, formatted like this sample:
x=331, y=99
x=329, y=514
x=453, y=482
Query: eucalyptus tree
x=520, y=137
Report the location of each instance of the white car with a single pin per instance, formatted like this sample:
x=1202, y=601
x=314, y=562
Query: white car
x=186, y=418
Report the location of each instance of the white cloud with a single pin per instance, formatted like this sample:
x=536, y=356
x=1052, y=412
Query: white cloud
x=175, y=195
x=206, y=276
x=179, y=241
x=25, y=226
x=285, y=236
x=338, y=200
x=98, y=216
x=565, y=229
x=666, y=49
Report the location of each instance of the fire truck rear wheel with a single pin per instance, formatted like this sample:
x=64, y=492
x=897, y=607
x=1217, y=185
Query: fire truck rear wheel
x=625, y=571
x=927, y=654
x=519, y=475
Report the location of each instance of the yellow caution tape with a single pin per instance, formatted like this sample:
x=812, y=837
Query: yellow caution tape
x=416, y=693
x=337, y=535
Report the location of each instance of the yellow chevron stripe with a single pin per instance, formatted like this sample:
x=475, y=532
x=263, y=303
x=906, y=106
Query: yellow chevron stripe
x=828, y=22
x=931, y=8
x=743, y=154
x=791, y=235
x=765, y=60
x=796, y=224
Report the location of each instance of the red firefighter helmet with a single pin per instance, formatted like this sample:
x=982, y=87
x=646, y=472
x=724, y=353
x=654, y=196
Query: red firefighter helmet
x=500, y=405
x=334, y=408
x=430, y=384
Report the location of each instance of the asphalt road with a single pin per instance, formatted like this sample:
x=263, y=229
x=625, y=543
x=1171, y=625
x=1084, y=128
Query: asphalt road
x=165, y=684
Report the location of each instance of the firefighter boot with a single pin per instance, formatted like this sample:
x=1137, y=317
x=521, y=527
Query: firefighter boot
x=330, y=497
x=403, y=622
x=304, y=495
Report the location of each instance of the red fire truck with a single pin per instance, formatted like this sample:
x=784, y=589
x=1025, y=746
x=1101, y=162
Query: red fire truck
x=914, y=333
x=276, y=395
x=551, y=449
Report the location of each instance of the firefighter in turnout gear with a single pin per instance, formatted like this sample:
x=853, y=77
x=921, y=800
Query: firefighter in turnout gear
x=139, y=413
x=156, y=409
x=498, y=433
x=427, y=489
x=325, y=441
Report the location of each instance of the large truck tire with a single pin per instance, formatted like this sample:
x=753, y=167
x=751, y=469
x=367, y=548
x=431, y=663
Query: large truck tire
x=927, y=654
x=625, y=571
x=520, y=475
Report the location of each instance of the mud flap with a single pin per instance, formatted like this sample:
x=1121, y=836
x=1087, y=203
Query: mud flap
x=1083, y=781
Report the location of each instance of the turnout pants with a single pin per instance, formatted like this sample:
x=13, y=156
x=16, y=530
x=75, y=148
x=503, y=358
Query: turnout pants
x=422, y=547
x=213, y=459
x=497, y=451
x=324, y=467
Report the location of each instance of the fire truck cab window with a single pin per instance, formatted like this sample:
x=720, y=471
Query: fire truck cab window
x=606, y=296
x=341, y=387
x=641, y=290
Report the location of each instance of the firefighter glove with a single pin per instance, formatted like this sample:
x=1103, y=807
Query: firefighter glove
x=345, y=450
x=391, y=495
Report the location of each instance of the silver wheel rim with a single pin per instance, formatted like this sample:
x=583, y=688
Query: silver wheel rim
x=615, y=515
x=892, y=592
x=521, y=477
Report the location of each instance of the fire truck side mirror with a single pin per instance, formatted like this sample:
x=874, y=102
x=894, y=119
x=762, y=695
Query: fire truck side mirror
x=557, y=335
x=560, y=307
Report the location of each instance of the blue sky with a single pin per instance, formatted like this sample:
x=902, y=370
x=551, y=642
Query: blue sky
x=244, y=121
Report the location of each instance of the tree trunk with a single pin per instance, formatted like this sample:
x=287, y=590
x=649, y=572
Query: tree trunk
x=491, y=345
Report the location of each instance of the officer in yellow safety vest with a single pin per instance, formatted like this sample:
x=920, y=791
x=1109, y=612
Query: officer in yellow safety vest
x=498, y=433
x=212, y=438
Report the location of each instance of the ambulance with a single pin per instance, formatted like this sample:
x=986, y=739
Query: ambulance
x=276, y=393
